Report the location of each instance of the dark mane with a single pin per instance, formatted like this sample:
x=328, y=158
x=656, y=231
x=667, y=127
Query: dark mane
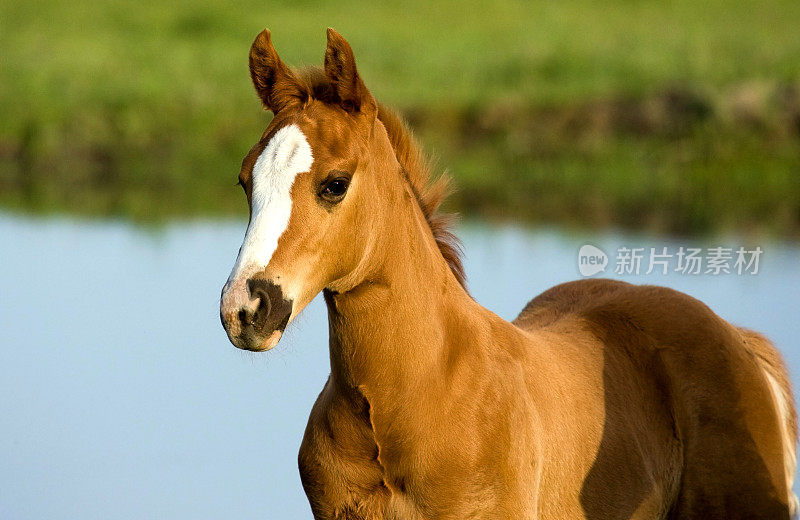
x=430, y=191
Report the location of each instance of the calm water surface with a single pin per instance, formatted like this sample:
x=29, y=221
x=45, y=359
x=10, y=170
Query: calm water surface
x=121, y=398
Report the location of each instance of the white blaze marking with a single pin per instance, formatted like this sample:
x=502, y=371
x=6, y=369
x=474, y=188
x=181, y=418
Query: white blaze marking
x=286, y=155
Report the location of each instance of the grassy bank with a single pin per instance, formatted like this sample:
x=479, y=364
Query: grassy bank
x=145, y=109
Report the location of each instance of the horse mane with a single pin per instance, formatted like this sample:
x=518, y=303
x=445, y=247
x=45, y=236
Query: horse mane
x=430, y=191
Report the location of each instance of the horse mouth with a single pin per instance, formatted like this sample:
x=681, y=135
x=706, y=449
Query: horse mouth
x=264, y=345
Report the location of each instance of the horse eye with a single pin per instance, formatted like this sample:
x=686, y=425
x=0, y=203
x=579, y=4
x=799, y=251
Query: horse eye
x=334, y=190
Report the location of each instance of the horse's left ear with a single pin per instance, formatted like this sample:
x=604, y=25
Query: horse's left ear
x=340, y=69
x=275, y=83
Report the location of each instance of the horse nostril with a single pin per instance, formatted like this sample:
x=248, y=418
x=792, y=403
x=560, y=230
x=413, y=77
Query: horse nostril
x=267, y=310
x=258, y=291
x=263, y=308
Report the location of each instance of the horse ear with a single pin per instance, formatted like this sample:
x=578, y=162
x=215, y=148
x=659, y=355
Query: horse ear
x=275, y=83
x=340, y=69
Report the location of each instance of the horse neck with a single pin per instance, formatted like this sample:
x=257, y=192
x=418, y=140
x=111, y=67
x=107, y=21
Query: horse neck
x=395, y=331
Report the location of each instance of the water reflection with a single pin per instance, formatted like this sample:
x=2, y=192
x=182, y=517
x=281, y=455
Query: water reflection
x=121, y=397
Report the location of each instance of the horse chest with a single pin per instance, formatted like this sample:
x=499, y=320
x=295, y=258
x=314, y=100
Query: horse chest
x=346, y=476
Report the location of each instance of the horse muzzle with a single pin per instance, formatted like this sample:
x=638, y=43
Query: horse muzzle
x=254, y=313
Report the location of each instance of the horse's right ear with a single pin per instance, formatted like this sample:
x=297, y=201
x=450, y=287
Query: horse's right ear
x=275, y=83
x=340, y=68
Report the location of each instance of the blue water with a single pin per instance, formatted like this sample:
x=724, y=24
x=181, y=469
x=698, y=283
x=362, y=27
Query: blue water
x=121, y=398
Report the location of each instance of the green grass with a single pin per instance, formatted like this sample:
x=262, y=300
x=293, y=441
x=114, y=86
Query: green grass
x=727, y=184
x=145, y=109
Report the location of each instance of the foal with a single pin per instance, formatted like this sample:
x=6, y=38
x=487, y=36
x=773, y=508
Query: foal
x=601, y=400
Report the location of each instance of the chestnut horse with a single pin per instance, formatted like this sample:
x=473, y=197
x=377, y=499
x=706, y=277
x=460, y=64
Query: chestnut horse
x=601, y=400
